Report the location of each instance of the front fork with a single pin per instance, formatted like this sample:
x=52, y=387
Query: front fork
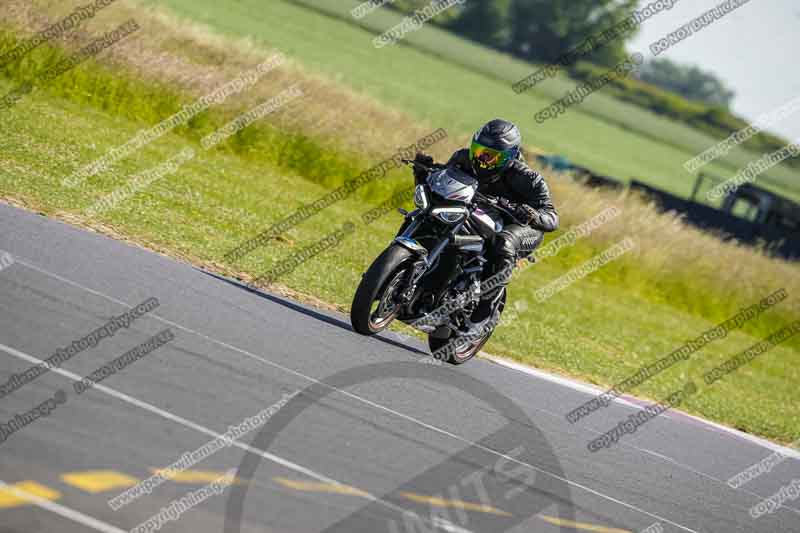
x=425, y=259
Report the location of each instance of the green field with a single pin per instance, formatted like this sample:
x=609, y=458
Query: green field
x=447, y=81
x=676, y=284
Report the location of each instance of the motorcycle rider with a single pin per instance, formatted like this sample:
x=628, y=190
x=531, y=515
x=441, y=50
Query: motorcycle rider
x=495, y=160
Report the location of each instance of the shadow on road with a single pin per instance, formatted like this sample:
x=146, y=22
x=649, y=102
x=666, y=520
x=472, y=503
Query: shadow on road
x=307, y=311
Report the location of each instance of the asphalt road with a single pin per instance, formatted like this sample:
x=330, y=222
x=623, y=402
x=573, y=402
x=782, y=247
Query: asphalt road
x=365, y=435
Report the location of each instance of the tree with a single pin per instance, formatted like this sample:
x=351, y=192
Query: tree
x=688, y=81
x=409, y=6
x=484, y=21
x=544, y=30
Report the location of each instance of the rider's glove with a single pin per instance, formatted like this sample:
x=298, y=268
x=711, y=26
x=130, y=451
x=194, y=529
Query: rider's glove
x=524, y=213
x=425, y=159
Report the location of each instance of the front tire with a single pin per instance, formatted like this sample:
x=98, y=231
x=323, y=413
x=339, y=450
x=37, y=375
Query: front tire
x=380, y=284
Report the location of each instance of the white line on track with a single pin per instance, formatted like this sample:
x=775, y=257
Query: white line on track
x=590, y=389
x=360, y=399
x=202, y=429
x=66, y=512
x=637, y=404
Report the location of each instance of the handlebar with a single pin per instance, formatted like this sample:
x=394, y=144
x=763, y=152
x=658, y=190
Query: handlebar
x=417, y=164
x=498, y=203
x=494, y=201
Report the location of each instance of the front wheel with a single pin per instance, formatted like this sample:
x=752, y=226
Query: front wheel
x=375, y=303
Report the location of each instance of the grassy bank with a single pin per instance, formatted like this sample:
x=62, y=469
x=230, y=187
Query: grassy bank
x=438, y=77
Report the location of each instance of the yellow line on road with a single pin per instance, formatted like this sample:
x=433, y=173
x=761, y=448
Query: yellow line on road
x=14, y=495
x=95, y=481
x=314, y=486
x=580, y=525
x=190, y=476
x=457, y=504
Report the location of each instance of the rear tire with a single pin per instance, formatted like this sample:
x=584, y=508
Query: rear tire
x=444, y=351
x=379, y=283
x=457, y=354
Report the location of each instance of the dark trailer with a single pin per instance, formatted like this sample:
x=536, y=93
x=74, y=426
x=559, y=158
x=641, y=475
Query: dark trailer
x=749, y=214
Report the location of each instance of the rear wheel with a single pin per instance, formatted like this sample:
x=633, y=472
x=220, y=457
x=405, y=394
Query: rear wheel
x=375, y=304
x=455, y=352
x=458, y=351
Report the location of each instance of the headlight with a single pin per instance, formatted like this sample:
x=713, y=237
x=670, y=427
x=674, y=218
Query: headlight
x=420, y=198
x=450, y=215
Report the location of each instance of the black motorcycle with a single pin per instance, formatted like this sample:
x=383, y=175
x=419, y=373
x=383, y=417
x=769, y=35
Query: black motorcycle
x=430, y=275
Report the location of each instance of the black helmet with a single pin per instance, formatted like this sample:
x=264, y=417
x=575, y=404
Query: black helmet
x=493, y=148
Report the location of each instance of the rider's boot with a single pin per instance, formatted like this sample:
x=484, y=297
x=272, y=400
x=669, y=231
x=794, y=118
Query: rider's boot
x=485, y=316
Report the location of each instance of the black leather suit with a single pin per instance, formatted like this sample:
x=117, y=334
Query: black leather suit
x=519, y=184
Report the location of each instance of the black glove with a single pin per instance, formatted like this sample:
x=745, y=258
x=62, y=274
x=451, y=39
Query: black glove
x=524, y=213
x=425, y=159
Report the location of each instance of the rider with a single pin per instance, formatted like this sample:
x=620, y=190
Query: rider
x=495, y=160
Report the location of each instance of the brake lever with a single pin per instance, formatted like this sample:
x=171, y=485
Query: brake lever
x=415, y=163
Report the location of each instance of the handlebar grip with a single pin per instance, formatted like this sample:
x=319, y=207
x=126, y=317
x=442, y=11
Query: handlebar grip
x=417, y=164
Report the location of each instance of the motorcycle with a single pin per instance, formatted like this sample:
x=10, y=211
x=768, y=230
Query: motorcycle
x=429, y=276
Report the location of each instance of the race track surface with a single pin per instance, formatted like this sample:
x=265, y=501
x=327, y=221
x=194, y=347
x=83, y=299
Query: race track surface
x=365, y=435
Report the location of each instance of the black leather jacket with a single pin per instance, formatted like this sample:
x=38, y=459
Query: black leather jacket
x=518, y=183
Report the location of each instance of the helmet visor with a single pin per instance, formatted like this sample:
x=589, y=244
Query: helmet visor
x=486, y=158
